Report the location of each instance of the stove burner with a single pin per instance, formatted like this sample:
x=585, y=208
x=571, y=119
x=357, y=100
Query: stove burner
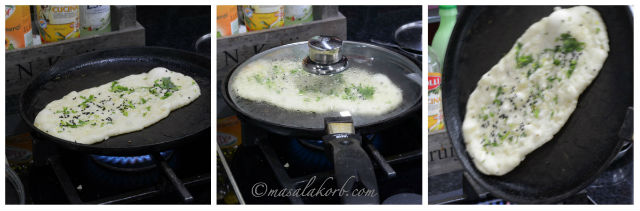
x=129, y=163
x=310, y=154
x=125, y=172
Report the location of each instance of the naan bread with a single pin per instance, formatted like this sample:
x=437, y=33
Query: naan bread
x=286, y=85
x=126, y=105
x=529, y=95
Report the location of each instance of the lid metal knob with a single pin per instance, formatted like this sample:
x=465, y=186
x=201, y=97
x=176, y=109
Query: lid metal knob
x=325, y=56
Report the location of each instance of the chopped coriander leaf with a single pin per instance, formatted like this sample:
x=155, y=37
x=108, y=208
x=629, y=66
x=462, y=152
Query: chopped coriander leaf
x=166, y=94
x=556, y=62
x=86, y=100
x=131, y=104
x=524, y=60
x=497, y=102
x=348, y=94
x=572, y=67
x=529, y=72
x=569, y=43
x=503, y=136
x=72, y=123
x=65, y=111
x=499, y=92
x=169, y=87
x=81, y=123
x=536, y=65
x=366, y=92
x=119, y=88
x=167, y=84
x=148, y=108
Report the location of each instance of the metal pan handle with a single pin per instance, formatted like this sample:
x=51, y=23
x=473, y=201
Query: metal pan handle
x=352, y=168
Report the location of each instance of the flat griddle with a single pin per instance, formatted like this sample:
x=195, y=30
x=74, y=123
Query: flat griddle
x=97, y=68
x=588, y=142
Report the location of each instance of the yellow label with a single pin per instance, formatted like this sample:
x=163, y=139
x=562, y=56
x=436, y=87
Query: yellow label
x=263, y=17
x=436, y=117
x=58, y=22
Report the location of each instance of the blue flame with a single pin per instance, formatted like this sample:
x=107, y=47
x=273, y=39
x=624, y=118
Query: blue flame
x=127, y=160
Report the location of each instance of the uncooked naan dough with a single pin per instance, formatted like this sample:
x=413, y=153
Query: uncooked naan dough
x=126, y=105
x=285, y=84
x=529, y=95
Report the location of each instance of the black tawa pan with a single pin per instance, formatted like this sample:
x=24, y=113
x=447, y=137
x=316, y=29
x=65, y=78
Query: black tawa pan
x=586, y=144
x=97, y=68
x=351, y=163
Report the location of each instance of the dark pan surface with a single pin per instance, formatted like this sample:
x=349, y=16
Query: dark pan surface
x=97, y=68
x=587, y=143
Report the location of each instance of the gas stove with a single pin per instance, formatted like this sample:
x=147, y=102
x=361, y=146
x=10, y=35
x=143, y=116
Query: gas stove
x=61, y=176
x=449, y=184
x=267, y=165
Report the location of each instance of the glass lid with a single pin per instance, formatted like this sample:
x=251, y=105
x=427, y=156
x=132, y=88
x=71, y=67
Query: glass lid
x=377, y=85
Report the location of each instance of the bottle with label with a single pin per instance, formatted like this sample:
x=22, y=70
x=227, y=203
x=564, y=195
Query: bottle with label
x=297, y=14
x=259, y=17
x=58, y=22
x=94, y=19
x=17, y=27
x=227, y=20
x=436, y=116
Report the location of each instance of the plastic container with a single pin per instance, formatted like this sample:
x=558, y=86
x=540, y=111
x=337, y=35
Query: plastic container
x=94, y=19
x=435, y=115
x=297, y=14
x=58, y=22
x=259, y=17
x=17, y=27
x=227, y=20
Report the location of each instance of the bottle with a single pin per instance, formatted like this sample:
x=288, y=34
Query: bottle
x=58, y=22
x=259, y=17
x=17, y=27
x=94, y=20
x=227, y=20
x=297, y=14
x=435, y=115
